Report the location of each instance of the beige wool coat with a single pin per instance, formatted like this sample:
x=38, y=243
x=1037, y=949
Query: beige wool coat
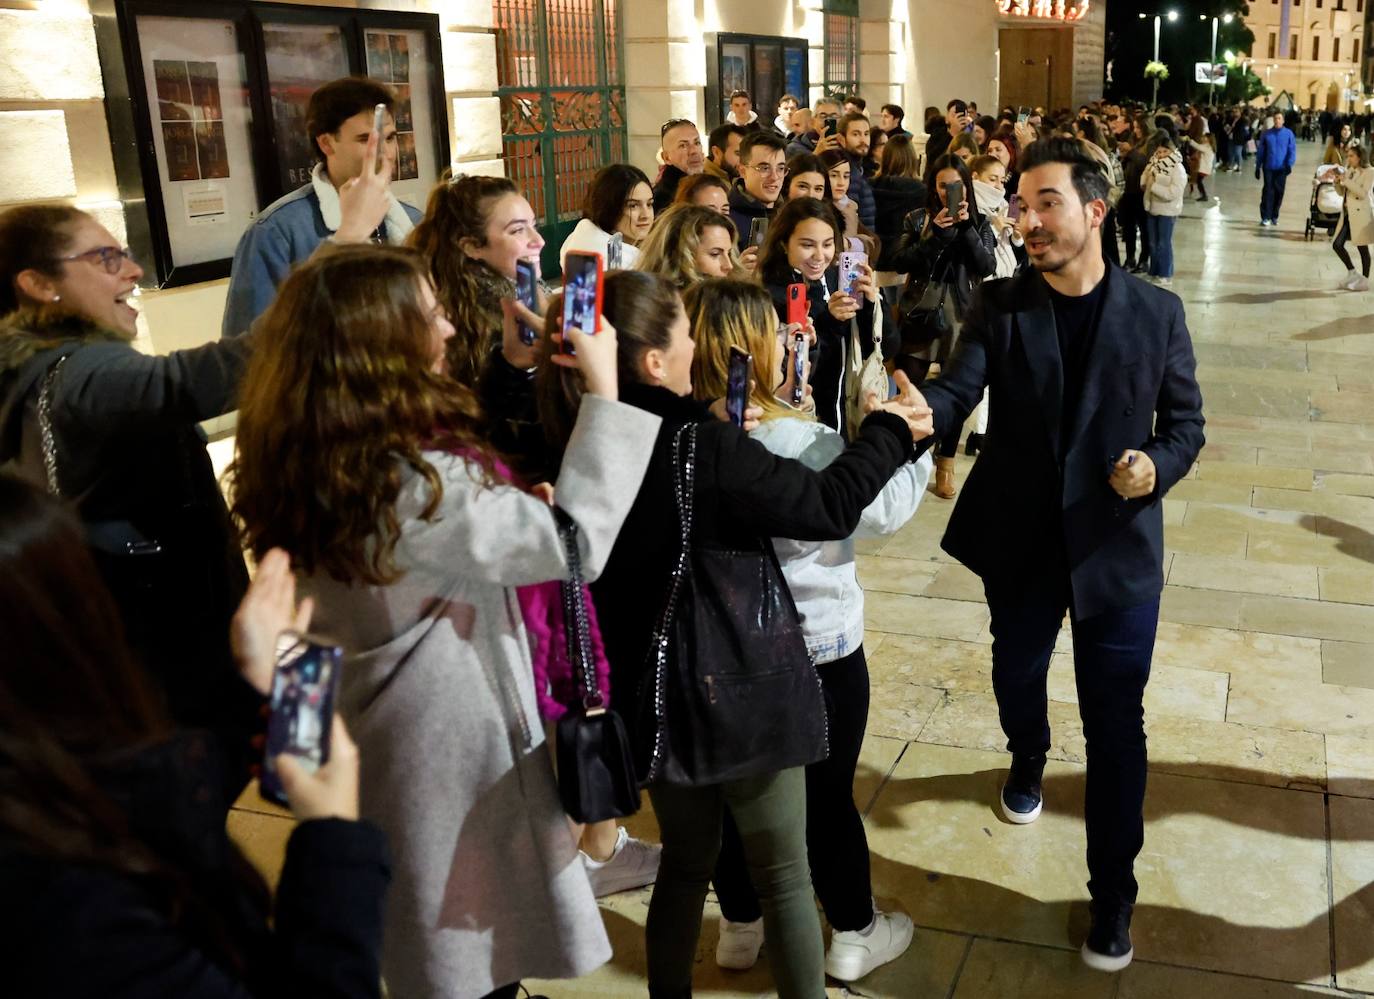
x=438, y=691
x=1359, y=206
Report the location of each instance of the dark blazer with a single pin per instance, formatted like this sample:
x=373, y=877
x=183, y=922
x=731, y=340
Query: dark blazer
x=744, y=208
x=1023, y=513
x=895, y=198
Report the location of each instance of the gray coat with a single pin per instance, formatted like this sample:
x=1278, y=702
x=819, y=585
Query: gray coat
x=437, y=689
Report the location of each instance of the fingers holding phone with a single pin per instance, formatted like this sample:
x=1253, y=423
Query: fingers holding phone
x=331, y=792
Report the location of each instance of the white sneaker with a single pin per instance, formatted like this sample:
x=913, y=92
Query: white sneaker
x=1361, y=283
x=855, y=953
x=1348, y=282
x=633, y=864
x=1165, y=282
x=738, y=946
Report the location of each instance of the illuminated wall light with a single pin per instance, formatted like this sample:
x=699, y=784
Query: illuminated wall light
x=1055, y=10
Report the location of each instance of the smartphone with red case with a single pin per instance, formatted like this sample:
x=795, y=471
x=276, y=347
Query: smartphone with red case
x=584, y=279
x=797, y=306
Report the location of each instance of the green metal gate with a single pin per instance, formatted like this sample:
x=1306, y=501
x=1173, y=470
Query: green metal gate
x=562, y=90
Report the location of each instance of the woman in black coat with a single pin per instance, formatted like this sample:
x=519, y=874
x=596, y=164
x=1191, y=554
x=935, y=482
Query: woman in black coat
x=898, y=191
x=803, y=246
x=119, y=876
x=956, y=248
x=743, y=496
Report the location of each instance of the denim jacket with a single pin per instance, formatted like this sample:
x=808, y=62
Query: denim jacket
x=286, y=232
x=822, y=575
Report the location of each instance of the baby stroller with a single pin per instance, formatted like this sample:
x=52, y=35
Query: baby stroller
x=1327, y=202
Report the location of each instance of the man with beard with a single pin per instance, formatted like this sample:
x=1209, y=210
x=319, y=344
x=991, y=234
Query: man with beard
x=854, y=132
x=1096, y=413
x=723, y=151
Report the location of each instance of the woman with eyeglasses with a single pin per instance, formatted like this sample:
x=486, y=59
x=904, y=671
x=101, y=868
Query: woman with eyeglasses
x=113, y=430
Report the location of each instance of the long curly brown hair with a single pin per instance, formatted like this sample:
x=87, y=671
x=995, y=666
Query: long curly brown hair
x=459, y=208
x=338, y=400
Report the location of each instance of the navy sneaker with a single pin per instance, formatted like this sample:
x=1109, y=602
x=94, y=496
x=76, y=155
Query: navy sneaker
x=1108, y=947
x=1021, y=797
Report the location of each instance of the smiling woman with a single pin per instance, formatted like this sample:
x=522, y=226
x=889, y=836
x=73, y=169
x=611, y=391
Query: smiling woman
x=115, y=430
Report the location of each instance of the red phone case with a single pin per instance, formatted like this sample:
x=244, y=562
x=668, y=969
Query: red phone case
x=797, y=306
x=572, y=264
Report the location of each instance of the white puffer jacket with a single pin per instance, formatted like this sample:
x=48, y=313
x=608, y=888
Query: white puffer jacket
x=1164, y=182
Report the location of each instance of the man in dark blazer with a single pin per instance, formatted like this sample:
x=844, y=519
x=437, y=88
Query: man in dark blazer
x=1095, y=413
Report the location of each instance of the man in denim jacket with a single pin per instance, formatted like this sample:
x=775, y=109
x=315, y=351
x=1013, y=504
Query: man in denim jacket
x=339, y=119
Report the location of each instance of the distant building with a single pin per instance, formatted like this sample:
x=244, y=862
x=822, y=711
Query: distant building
x=1314, y=49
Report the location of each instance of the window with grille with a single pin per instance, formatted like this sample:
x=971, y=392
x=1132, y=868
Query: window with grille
x=562, y=95
x=841, y=36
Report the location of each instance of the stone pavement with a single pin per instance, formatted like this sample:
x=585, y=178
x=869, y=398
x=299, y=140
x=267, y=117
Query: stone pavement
x=1259, y=851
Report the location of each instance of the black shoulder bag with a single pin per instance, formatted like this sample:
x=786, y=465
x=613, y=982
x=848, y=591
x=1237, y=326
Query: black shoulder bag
x=731, y=691
x=596, y=778
x=925, y=317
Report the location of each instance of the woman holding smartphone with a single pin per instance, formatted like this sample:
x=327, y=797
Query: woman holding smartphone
x=803, y=244
x=821, y=575
x=363, y=459
x=948, y=243
x=616, y=216
x=738, y=488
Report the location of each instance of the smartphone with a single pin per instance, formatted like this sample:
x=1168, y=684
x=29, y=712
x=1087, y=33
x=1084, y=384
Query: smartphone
x=526, y=288
x=829, y=126
x=1022, y=115
x=615, y=251
x=850, y=262
x=758, y=231
x=797, y=306
x=583, y=280
x=378, y=120
x=798, y=368
x=737, y=386
x=303, y=690
x=954, y=193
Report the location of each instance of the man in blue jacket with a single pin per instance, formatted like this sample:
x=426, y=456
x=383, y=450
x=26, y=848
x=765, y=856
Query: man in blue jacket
x=339, y=120
x=854, y=131
x=1274, y=157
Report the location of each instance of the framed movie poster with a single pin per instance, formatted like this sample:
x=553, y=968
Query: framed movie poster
x=211, y=128
x=767, y=66
x=194, y=83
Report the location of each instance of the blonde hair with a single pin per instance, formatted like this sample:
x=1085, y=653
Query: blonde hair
x=726, y=313
x=670, y=249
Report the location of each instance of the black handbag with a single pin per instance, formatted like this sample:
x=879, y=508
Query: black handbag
x=927, y=318
x=596, y=778
x=731, y=691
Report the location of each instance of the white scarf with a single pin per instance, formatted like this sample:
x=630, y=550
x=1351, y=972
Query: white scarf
x=398, y=224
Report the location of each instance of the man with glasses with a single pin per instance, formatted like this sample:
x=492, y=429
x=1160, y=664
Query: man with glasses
x=682, y=157
x=338, y=119
x=763, y=170
x=820, y=136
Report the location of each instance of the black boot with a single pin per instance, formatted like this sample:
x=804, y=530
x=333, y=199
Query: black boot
x=1108, y=947
x=973, y=445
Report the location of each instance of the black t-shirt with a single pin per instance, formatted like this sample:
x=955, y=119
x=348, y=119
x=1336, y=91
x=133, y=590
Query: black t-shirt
x=1075, y=319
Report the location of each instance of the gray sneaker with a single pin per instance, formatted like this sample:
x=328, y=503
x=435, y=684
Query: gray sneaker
x=633, y=864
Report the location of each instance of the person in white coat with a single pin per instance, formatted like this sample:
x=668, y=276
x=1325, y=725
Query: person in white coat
x=1163, y=183
x=990, y=193
x=824, y=584
x=1202, y=156
x=620, y=201
x=1357, y=217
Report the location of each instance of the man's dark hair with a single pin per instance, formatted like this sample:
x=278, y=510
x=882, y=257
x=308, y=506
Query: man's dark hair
x=1089, y=179
x=896, y=111
x=842, y=126
x=757, y=138
x=608, y=192
x=790, y=97
x=720, y=136
x=957, y=105
x=741, y=93
x=337, y=101
x=857, y=101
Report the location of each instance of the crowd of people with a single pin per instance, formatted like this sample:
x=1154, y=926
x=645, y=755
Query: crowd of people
x=431, y=470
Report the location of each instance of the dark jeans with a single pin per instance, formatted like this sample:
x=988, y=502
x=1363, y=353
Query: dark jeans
x=1271, y=198
x=1132, y=215
x=835, y=840
x=1338, y=244
x=1111, y=253
x=1112, y=654
x=1161, y=229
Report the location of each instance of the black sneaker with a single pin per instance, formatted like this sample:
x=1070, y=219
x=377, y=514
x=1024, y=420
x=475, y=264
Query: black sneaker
x=1021, y=798
x=1108, y=947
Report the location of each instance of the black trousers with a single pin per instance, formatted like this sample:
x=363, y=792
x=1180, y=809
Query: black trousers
x=1111, y=253
x=1271, y=198
x=835, y=839
x=1112, y=654
x=1339, y=243
x=1132, y=217
x=916, y=369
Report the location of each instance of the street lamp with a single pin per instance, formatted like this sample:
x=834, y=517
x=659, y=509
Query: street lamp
x=1211, y=69
x=1172, y=16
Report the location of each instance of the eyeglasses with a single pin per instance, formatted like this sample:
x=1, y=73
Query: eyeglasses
x=109, y=257
x=768, y=170
x=674, y=123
